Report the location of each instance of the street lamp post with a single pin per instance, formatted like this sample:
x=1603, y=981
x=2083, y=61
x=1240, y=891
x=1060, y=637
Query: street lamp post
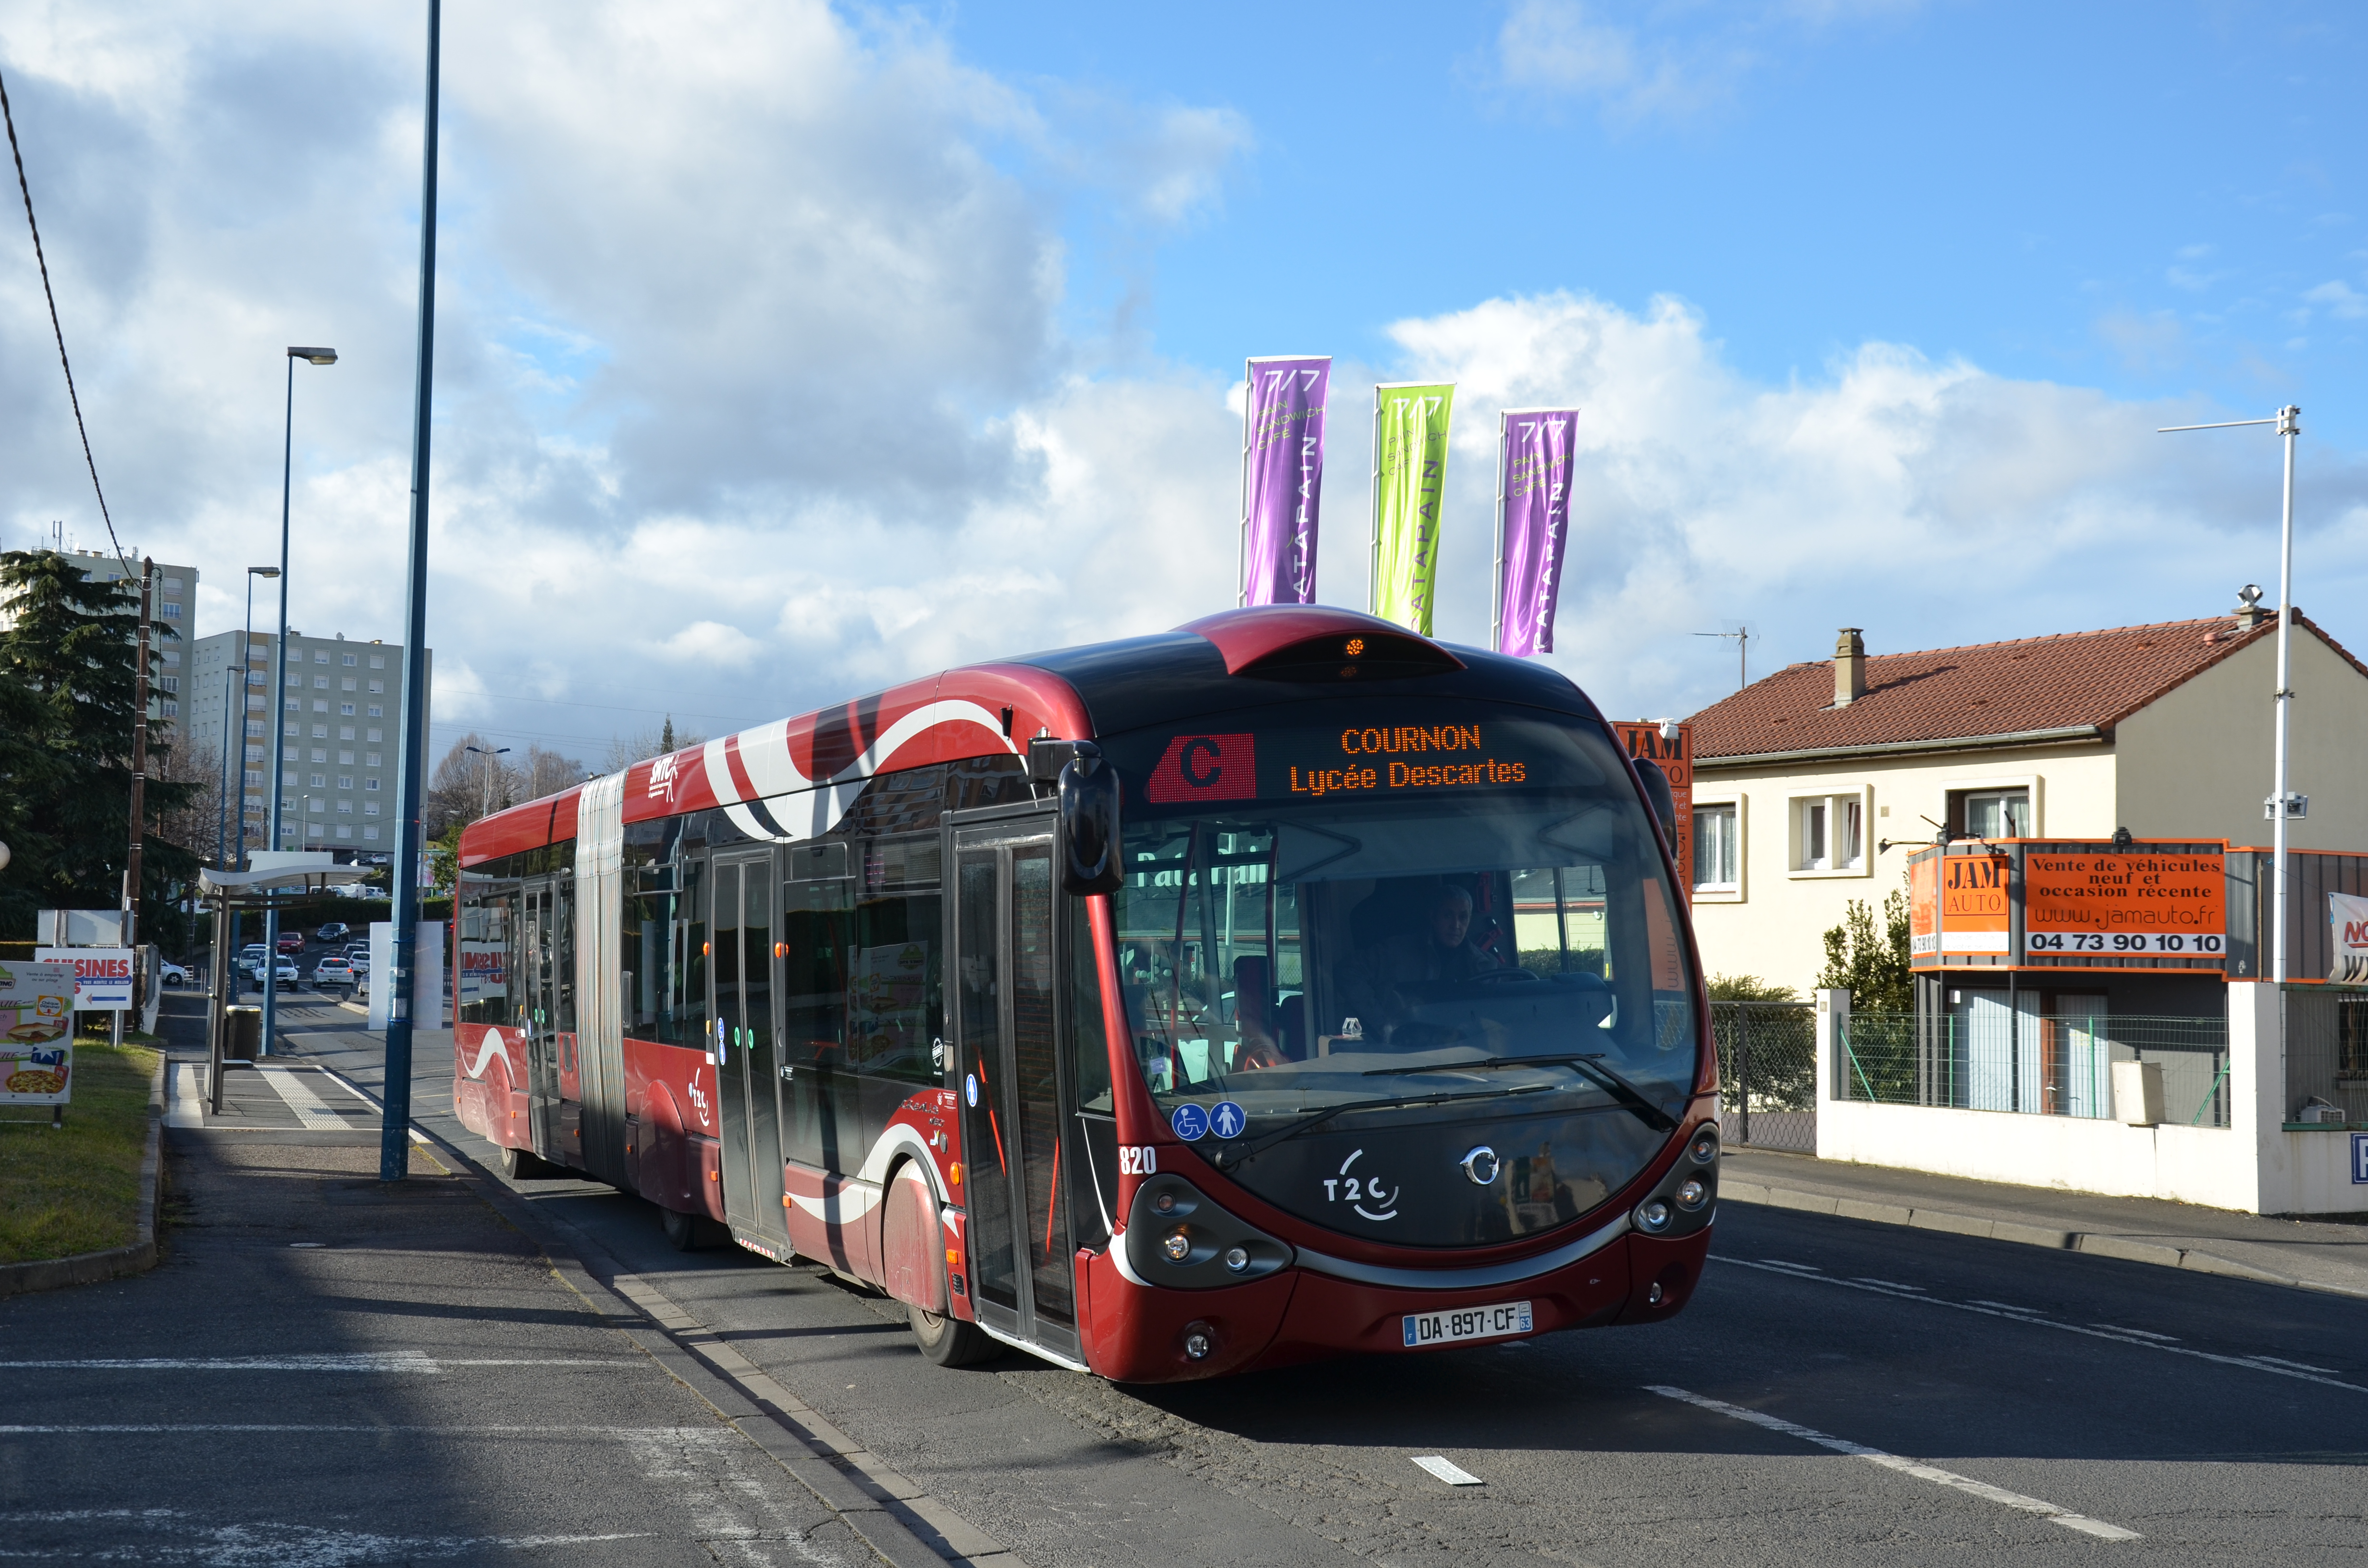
x=280, y=672
x=486, y=779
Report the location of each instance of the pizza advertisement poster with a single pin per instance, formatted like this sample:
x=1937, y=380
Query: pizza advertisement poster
x=2143, y=901
x=37, y=1003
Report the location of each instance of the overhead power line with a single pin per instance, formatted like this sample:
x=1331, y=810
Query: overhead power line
x=9, y=114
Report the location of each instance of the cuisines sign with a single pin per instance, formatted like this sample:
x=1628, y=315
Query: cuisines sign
x=1302, y=765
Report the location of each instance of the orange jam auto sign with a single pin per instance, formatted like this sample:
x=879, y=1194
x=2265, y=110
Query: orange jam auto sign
x=2127, y=902
x=1957, y=903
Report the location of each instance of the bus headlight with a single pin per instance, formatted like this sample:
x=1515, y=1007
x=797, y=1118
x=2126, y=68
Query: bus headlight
x=1704, y=1148
x=1176, y=1244
x=1693, y=1195
x=1238, y=1259
x=1653, y=1216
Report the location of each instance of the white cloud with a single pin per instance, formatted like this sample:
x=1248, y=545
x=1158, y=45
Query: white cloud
x=2340, y=299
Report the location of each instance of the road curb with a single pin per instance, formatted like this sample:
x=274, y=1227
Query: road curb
x=137, y=1256
x=2093, y=1243
x=873, y=1501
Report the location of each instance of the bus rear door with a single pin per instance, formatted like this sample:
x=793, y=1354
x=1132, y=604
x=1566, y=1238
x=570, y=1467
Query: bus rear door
x=1008, y=1066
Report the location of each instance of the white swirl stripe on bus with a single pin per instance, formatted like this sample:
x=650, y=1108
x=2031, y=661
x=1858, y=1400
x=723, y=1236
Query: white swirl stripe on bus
x=486, y=1048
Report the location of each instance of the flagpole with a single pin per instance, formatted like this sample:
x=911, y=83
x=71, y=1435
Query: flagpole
x=1497, y=606
x=1242, y=544
x=1374, y=518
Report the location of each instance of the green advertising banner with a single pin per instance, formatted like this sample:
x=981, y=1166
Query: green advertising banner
x=1409, y=484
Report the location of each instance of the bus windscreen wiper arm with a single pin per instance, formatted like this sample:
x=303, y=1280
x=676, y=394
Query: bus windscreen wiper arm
x=1590, y=1063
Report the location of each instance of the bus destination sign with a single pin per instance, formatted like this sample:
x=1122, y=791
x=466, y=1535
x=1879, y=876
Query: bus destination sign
x=1356, y=759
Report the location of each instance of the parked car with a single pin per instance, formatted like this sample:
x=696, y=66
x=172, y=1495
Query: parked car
x=334, y=931
x=291, y=942
x=332, y=971
x=171, y=973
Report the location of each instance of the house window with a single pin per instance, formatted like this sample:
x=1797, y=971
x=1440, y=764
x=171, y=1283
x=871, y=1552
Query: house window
x=170, y=683
x=172, y=661
x=319, y=783
x=1989, y=813
x=345, y=807
x=319, y=755
x=343, y=832
x=1718, y=848
x=294, y=679
x=377, y=710
x=370, y=832
x=344, y=780
x=320, y=656
x=378, y=661
x=371, y=759
x=370, y=807
x=376, y=734
x=320, y=683
x=346, y=710
x=378, y=686
x=2351, y=1038
x=348, y=683
x=172, y=610
x=349, y=661
x=372, y=783
x=171, y=709
x=320, y=731
x=172, y=585
x=1829, y=833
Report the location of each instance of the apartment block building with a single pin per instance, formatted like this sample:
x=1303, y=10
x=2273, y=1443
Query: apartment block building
x=340, y=709
x=173, y=613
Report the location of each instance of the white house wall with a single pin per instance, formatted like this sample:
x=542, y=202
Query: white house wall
x=2198, y=761
x=1775, y=928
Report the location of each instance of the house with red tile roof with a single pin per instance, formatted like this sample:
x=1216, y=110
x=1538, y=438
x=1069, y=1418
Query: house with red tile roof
x=1814, y=785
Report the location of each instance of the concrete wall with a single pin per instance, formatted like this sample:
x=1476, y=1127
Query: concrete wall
x=1774, y=928
x=2197, y=764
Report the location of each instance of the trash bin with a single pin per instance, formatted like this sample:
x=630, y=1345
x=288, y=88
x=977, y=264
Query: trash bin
x=242, y=1033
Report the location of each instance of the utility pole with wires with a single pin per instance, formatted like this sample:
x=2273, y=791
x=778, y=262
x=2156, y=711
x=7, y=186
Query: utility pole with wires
x=1742, y=635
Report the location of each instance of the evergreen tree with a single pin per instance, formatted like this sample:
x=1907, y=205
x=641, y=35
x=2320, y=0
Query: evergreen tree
x=1874, y=970
x=67, y=701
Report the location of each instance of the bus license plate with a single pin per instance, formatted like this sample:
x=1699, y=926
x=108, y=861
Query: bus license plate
x=1469, y=1323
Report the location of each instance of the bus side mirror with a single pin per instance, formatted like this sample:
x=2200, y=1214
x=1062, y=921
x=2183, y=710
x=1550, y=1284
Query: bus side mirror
x=1089, y=824
x=1663, y=800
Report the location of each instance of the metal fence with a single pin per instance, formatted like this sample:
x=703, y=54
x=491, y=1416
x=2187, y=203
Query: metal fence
x=1767, y=1073
x=2017, y=1060
x=2327, y=1055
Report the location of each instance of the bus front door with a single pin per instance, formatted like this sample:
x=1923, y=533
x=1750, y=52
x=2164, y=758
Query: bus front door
x=748, y=1032
x=1008, y=1064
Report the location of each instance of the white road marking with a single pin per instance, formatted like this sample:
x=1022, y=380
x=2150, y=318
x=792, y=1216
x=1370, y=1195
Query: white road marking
x=1783, y=1263
x=2141, y=1332
x=2297, y=1366
x=1922, y=1471
x=2010, y=1307
x=1446, y=1470
x=143, y=1428
x=2118, y=1336
x=185, y=1539
x=189, y=1106
x=356, y=1361
x=1887, y=1284
x=310, y=1108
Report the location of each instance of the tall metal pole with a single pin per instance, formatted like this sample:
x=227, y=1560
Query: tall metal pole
x=406, y=988
x=2288, y=426
x=280, y=723
x=1496, y=589
x=139, y=782
x=247, y=668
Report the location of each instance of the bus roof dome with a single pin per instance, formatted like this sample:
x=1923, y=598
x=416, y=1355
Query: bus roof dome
x=1318, y=642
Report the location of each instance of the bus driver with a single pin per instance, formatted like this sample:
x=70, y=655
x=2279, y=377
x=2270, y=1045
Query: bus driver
x=1438, y=951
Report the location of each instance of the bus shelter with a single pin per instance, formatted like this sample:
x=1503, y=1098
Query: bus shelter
x=283, y=888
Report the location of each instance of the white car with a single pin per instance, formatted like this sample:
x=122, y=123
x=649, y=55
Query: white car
x=332, y=971
x=170, y=973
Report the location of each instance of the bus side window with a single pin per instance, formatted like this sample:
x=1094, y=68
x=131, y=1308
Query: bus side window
x=689, y=974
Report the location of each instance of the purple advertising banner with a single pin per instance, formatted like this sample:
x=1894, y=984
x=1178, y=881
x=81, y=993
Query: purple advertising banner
x=1282, y=478
x=1534, y=525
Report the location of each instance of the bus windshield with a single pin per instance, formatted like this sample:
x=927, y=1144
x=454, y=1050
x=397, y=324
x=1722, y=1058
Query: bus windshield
x=1440, y=951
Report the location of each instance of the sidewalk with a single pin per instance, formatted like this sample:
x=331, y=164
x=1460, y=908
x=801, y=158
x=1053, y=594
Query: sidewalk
x=2314, y=1256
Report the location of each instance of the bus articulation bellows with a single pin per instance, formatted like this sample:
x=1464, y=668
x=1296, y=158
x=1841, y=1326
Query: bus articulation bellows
x=1282, y=986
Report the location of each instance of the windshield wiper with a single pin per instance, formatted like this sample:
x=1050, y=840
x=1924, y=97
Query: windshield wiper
x=1589, y=1062
x=1227, y=1155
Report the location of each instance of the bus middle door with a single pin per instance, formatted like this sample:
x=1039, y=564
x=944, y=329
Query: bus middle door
x=743, y=1011
x=1022, y=1277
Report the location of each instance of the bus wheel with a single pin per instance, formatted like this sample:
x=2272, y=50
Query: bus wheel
x=520, y=1165
x=687, y=1232
x=949, y=1341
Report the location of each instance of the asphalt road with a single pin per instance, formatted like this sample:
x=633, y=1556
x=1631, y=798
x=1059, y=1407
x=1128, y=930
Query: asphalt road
x=1837, y=1392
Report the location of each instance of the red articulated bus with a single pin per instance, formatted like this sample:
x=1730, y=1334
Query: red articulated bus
x=1282, y=986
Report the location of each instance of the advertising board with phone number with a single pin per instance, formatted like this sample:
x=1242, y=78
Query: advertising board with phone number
x=2126, y=903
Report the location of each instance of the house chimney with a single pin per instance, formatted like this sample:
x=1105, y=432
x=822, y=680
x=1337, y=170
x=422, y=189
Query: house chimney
x=1850, y=667
x=2248, y=608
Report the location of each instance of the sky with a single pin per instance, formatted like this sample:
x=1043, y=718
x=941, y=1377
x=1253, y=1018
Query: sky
x=785, y=351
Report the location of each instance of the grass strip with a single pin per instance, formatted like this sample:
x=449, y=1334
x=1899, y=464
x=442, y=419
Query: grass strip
x=77, y=1190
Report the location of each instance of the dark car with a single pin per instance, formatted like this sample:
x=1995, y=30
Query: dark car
x=334, y=931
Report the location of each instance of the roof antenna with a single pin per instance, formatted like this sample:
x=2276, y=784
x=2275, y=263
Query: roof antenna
x=1742, y=635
